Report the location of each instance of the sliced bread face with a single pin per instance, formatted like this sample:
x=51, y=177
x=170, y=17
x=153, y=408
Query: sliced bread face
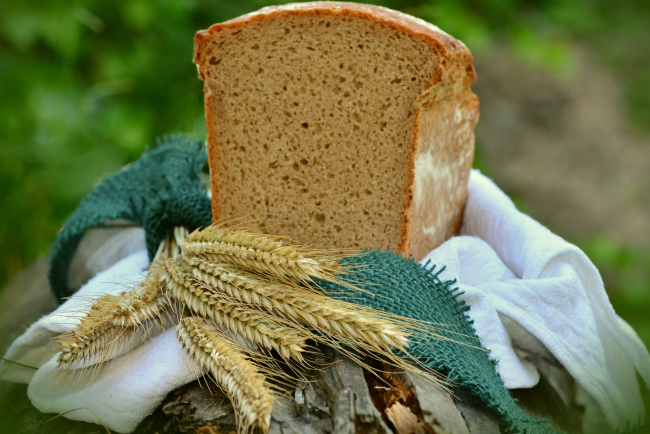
x=339, y=125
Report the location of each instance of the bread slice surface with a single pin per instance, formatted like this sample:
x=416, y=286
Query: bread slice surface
x=335, y=123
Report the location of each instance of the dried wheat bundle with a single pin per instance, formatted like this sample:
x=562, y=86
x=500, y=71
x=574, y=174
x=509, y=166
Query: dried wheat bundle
x=240, y=256
x=256, y=287
x=340, y=319
x=242, y=380
x=264, y=329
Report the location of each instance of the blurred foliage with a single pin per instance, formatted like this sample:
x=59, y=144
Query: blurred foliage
x=85, y=84
x=543, y=31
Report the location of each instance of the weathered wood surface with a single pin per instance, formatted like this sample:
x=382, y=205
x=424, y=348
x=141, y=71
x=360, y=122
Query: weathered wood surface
x=341, y=397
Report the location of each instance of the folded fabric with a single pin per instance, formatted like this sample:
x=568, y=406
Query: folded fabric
x=36, y=346
x=513, y=272
x=127, y=389
x=158, y=191
x=509, y=264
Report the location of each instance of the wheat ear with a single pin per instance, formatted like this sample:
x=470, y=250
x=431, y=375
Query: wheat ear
x=74, y=349
x=114, y=316
x=146, y=301
x=288, y=340
x=343, y=320
x=262, y=253
x=237, y=376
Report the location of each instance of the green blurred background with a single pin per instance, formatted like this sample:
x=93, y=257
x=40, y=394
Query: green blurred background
x=85, y=85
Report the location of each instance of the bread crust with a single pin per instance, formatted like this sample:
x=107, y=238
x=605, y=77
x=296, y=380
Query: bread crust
x=450, y=86
x=449, y=46
x=375, y=13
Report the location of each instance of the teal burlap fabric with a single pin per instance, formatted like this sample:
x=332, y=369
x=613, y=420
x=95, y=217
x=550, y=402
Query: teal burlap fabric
x=402, y=287
x=162, y=189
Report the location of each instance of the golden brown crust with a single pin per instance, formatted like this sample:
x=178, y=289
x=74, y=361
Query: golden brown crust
x=376, y=13
x=213, y=164
x=448, y=45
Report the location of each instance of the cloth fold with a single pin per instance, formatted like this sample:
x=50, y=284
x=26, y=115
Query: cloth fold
x=160, y=190
x=513, y=273
x=556, y=294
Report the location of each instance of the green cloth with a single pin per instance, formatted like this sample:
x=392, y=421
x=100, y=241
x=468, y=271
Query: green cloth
x=160, y=190
x=400, y=286
x=163, y=189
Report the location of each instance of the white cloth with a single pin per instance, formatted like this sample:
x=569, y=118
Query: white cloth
x=508, y=264
x=509, y=267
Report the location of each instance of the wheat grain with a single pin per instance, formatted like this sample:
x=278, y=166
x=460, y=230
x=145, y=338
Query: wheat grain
x=237, y=376
x=287, y=339
x=144, y=302
x=75, y=349
x=96, y=321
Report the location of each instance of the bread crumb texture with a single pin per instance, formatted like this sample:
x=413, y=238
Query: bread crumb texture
x=339, y=127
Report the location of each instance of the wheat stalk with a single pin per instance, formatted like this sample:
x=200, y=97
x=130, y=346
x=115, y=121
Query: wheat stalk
x=343, y=320
x=261, y=253
x=146, y=301
x=287, y=339
x=237, y=376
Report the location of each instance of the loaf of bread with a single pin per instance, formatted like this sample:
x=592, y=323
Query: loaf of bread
x=340, y=125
